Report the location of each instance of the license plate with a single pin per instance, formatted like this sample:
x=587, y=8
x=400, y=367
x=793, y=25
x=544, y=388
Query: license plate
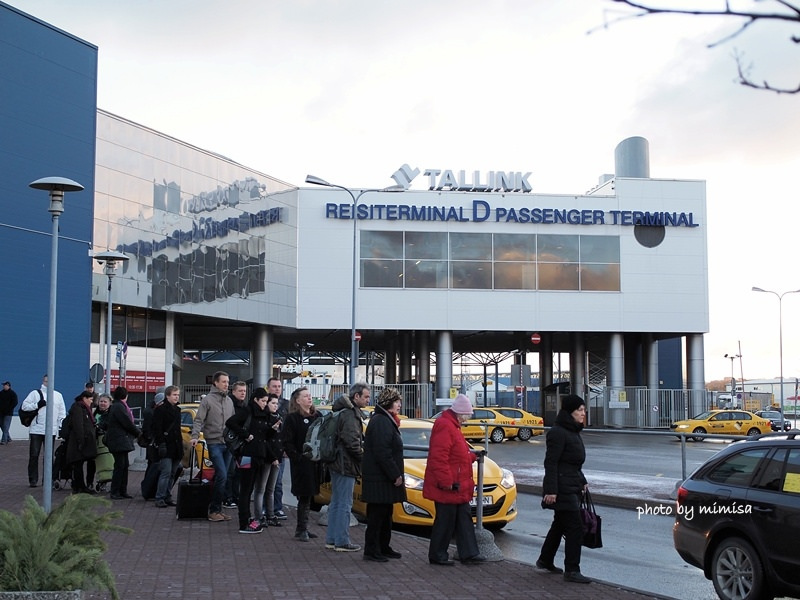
x=487, y=501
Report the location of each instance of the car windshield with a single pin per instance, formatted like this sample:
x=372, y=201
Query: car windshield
x=702, y=416
x=416, y=437
x=770, y=414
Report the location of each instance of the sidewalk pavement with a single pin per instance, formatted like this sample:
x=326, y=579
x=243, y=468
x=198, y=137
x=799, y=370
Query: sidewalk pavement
x=169, y=559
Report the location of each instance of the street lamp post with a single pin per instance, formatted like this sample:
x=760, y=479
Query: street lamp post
x=56, y=187
x=733, y=378
x=110, y=260
x=356, y=198
x=780, y=329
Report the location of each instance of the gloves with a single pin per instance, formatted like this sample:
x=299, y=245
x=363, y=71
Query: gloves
x=162, y=450
x=41, y=403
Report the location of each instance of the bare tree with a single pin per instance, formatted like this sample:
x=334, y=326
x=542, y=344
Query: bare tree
x=768, y=10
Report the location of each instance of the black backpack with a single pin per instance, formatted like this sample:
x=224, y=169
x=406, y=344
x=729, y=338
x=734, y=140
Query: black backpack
x=26, y=417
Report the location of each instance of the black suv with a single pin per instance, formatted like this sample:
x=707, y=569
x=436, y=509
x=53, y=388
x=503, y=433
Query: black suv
x=775, y=419
x=738, y=518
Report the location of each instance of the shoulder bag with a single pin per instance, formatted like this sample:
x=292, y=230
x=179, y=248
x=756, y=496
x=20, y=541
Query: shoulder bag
x=592, y=523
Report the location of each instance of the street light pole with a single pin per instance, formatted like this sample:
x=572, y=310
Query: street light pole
x=733, y=378
x=353, y=341
x=780, y=329
x=110, y=259
x=56, y=186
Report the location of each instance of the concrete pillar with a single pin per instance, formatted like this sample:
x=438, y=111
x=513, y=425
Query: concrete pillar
x=616, y=374
x=650, y=360
x=261, y=354
x=404, y=354
x=390, y=363
x=545, y=350
x=577, y=362
x=423, y=357
x=695, y=372
x=173, y=349
x=444, y=364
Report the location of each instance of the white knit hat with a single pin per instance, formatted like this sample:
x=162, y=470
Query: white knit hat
x=462, y=405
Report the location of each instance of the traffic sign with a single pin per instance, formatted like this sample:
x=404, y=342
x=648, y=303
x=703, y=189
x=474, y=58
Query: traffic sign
x=357, y=336
x=536, y=338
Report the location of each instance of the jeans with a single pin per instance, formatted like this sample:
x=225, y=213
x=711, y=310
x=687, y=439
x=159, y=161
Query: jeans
x=5, y=424
x=35, y=450
x=272, y=472
x=221, y=458
x=339, y=509
x=278, y=495
x=168, y=469
x=252, y=482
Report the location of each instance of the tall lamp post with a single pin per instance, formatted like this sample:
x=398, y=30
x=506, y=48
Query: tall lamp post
x=109, y=260
x=733, y=379
x=356, y=198
x=780, y=329
x=56, y=187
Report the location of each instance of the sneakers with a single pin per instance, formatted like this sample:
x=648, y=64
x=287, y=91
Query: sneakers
x=273, y=522
x=280, y=515
x=252, y=527
x=230, y=504
x=549, y=568
x=330, y=545
x=576, y=577
x=348, y=548
x=218, y=517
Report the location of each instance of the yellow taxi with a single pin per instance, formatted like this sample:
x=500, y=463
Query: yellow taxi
x=518, y=416
x=188, y=413
x=499, y=486
x=731, y=422
x=499, y=426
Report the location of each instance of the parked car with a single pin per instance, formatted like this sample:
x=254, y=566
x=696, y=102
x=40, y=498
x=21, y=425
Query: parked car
x=499, y=486
x=738, y=519
x=775, y=418
x=522, y=417
x=733, y=422
x=500, y=427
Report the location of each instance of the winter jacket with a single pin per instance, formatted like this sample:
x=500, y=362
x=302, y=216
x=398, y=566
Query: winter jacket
x=166, y=429
x=59, y=411
x=121, y=431
x=214, y=411
x=259, y=427
x=383, y=460
x=563, y=460
x=305, y=472
x=82, y=439
x=449, y=461
x=350, y=431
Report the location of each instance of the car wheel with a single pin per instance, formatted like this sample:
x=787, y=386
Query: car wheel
x=754, y=431
x=737, y=572
x=497, y=435
x=698, y=430
x=524, y=434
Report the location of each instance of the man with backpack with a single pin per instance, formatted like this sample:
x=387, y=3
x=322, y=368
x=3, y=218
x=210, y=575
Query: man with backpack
x=346, y=467
x=36, y=400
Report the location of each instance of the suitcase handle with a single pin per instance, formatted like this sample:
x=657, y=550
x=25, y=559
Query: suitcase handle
x=193, y=459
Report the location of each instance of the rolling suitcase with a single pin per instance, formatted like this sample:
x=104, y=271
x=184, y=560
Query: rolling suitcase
x=193, y=494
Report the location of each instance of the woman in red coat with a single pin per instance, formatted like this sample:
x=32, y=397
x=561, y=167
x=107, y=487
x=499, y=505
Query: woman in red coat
x=449, y=483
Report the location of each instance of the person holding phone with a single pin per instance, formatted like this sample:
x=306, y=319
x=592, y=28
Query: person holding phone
x=273, y=466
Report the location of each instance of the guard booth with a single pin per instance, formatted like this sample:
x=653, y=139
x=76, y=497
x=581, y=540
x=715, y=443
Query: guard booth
x=552, y=395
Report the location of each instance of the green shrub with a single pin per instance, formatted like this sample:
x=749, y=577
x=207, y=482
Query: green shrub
x=60, y=551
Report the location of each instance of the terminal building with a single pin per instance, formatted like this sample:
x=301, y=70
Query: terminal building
x=228, y=264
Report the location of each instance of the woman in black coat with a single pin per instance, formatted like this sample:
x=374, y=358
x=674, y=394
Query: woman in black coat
x=382, y=475
x=251, y=423
x=564, y=483
x=120, y=434
x=305, y=472
x=81, y=441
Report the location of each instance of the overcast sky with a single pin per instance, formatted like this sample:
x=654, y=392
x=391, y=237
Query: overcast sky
x=349, y=90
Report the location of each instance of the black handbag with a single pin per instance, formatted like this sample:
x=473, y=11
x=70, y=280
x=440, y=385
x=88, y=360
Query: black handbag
x=592, y=523
x=232, y=439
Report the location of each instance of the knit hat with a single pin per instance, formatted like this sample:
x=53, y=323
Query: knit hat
x=572, y=403
x=159, y=398
x=387, y=397
x=461, y=405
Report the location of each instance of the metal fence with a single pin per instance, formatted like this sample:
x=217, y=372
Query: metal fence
x=643, y=408
x=417, y=399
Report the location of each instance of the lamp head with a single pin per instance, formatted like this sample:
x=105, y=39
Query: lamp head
x=316, y=180
x=56, y=186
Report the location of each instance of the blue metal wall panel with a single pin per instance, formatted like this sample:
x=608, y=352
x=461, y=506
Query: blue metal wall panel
x=48, y=111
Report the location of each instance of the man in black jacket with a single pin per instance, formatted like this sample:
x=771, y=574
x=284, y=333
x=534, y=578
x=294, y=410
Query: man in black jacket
x=168, y=444
x=8, y=401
